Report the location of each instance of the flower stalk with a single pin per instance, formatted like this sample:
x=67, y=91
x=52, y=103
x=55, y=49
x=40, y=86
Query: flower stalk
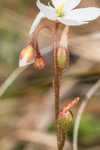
x=62, y=140
x=56, y=85
x=36, y=35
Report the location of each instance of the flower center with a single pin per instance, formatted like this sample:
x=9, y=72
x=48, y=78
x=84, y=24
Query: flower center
x=60, y=11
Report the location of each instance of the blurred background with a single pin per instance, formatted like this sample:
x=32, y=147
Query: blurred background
x=27, y=107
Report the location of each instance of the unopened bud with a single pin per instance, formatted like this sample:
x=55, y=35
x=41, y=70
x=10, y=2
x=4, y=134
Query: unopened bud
x=62, y=57
x=65, y=117
x=65, y=120
x=39, y=62
x=26, y=56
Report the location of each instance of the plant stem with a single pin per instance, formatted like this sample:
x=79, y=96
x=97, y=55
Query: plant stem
x=62, y=140
x=36, y=35
x=56, y=86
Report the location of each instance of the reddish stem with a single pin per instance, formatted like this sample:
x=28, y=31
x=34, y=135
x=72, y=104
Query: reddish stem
x=56, y=86
x=36, y=34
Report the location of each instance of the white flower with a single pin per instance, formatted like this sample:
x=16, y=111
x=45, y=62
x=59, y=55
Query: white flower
x=62, y=11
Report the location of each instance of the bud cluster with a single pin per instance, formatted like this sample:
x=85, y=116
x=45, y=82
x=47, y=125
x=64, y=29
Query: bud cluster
x=30, y=55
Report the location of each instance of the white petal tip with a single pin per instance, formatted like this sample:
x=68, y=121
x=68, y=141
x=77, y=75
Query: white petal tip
x=84, y=23
x=23, y=63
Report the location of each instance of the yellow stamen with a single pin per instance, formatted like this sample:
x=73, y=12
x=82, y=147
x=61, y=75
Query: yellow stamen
x=60, y=11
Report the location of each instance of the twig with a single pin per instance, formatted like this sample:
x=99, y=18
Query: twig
x=89, y=94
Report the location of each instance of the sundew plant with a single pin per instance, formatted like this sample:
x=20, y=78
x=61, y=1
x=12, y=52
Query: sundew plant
x=60, y=12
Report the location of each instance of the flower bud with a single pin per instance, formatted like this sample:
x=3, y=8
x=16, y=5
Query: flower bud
x=62, y=57
x=39, y=62
x=26, y=56
x=65, y=120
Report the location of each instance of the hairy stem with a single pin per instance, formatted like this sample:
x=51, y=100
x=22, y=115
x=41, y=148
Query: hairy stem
x=56, y=86
x=62, y=140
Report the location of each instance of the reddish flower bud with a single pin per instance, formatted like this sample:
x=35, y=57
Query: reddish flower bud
x=62, y=57
x=65, y=120
x=26, y=56
x=65, y=117
x=39, y=62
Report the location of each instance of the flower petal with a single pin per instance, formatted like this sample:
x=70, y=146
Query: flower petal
x=58, y=3
x=72, y=4
x=36, y=22
x=69, y=4
x=71, y=22
x=86, y=14
x=48, y=11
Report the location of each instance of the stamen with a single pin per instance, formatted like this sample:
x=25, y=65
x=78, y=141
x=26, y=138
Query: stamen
x=60, y=11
